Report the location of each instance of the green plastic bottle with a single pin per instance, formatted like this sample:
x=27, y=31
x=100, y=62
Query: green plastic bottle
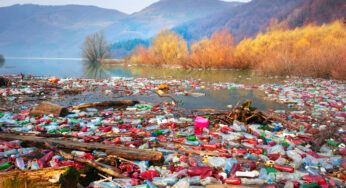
x=310, y=185
x=192, y=138
x=270, y=169
x=160, y=132
x=5, y=165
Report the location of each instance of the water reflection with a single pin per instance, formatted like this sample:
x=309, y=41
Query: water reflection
x=235, y=76
x=2, y=61
x=95, y=70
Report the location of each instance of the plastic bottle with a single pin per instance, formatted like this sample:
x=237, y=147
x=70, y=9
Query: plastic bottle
x=310, y=185
x=257, y=181
x=216, y=162
x=34, y=165
x=197, y=171
x=232, y=181
x=20, y=163
x=297, y=159
x=208, y=180
x=150, y=184
x=183, y=183
x=235, y=168
x=289, y=184
x=314, y=178
x=8, y=153
x=5, y=165
x=200, y=123
x=229, y=164
x=149, y=174
x=160, y=181
x=249, y=174
x=43, y=161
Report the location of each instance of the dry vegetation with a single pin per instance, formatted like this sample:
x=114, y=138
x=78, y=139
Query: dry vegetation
x=95, y=47
x=317, y=51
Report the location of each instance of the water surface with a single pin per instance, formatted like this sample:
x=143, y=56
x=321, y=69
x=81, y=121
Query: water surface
x=218, y=99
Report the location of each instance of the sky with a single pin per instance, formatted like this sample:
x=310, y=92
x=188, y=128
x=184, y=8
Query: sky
x=127, y=6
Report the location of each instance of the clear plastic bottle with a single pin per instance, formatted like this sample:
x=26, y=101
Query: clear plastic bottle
x=183, y=183
x=297, y=159
x=164, y=181
x=20, y=163
x=257, y=181
x=248, y=174
x=216, y=162
x=289, y=184
x=229, y=164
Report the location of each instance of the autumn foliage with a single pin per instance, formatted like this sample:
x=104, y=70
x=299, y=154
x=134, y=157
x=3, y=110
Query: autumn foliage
x=317, y=51
x=167, y=48
x=216, y=52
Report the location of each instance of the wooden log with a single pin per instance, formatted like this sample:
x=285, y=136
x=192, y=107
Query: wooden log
x=45, y=177
x=124, y=152
x=107, y=104
x=319, y=139
x=4, y=82
x=99, y=166
x=49, y=108
x=231, y=186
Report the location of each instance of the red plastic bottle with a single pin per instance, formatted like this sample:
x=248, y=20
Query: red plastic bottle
x=197, y=171
x=256, y=150
x=232, y=181
x=241, y=151
x=149, y=175
x=235, y=168
x=43, y=161
x=210, y=146
x=314, y=178
x=283, y=168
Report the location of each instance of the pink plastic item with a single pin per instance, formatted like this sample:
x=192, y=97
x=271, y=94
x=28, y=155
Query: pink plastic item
x=200, y=123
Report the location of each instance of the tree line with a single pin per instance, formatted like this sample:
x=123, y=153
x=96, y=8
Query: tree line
x=310, y=50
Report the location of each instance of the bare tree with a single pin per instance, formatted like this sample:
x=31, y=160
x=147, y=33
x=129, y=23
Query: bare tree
x=95, y=47
x=2, y=59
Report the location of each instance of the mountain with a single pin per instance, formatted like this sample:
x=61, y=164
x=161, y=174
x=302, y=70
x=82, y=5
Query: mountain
x=318, y=12
x=164, y=14
x=50, y=31
x=248, y=19
x=58, y=31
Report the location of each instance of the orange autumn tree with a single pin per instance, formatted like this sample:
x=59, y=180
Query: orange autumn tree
x=140, y=55
x=317, y=51
x=168, y=48
x=216, y=52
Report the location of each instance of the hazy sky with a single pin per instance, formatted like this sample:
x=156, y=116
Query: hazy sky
x=127, y=6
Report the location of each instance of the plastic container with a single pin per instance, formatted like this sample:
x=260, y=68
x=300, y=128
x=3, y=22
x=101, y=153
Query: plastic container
x=200, y=124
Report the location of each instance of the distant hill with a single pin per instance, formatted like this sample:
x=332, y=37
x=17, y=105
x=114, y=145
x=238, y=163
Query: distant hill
x=58, y=31
x=318, y=12
x=50, y=31
x=248, y=19
x=164, y=14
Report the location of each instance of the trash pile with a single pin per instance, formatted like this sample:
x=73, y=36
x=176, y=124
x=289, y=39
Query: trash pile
x=137, y=144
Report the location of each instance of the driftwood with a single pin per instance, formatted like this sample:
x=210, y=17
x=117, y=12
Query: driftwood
x=319, y=139
x=4, y=82
x=38, y=178
x=274, y=117
x=124, y=152
x=99, y=166
x=49, y=108
x=107, y=104
x=231, y=186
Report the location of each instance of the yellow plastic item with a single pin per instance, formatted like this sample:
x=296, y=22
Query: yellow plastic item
x=163, y=87
x=55, y=80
